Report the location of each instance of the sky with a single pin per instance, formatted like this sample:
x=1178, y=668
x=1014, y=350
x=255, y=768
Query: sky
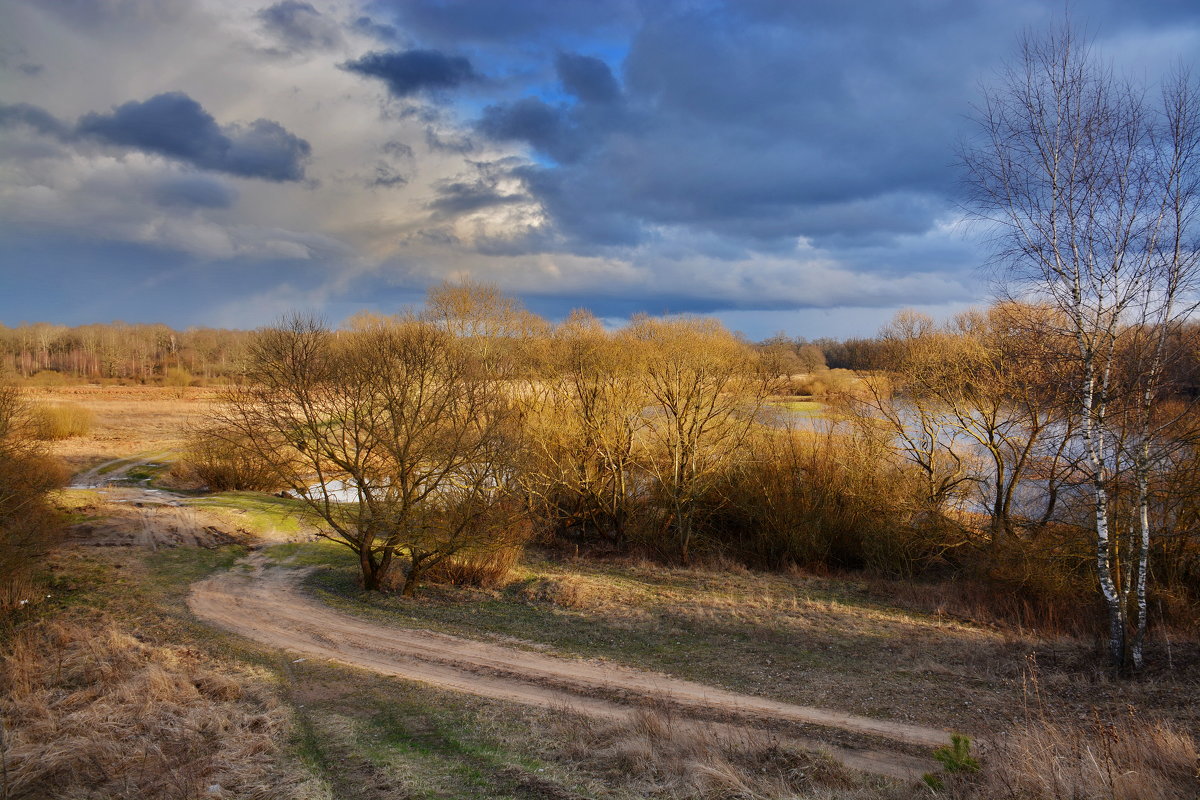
x=784, y=165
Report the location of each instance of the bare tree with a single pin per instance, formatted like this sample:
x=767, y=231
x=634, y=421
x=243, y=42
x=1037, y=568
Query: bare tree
x=583, y=423
x=1091, y=189
x=392, y=435
x=905, y=399
x=496, y=326
x=705, y=393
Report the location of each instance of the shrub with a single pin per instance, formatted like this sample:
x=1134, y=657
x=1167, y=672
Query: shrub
x=956, y=756
x=62, y=421
x=487, y=557
x=178, y=378
x=29, y=527
x=215, y=458
x=485, y=570
x=822, y=382
x=824, y=499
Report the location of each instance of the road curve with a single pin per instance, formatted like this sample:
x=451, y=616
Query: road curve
x=264, y=603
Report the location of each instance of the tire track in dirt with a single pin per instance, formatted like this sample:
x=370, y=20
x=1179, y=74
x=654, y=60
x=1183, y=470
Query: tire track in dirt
x=265, y=604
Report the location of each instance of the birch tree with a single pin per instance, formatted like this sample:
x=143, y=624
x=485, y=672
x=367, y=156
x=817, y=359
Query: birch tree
x=1089, y=182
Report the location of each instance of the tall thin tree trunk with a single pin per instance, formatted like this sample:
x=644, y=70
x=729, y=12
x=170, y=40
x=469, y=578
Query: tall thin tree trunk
x=1143, y=559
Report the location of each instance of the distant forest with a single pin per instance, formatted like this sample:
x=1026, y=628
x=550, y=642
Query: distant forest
x=145, y=353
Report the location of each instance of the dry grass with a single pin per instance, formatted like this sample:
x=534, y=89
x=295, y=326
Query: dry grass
x=657, y=755
x=29, y=528
x=1023, y=610
x=1129, y=759
x=92, y=712
x=128, y=420
x=59, y=421
x=568, y=591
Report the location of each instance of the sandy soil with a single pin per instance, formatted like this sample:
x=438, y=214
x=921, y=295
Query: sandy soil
x=264, y=603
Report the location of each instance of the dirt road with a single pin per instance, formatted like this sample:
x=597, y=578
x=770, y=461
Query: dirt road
x=264, y=603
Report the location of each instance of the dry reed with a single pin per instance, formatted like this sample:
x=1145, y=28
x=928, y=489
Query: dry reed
x=1129, y=759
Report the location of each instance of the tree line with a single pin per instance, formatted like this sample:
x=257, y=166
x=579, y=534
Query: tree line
x=144, y=353
x=120, y=351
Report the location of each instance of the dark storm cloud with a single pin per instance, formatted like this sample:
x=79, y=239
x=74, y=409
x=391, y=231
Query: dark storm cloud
x=458, y=197
x=544, y=127
x=588, y=221
x=299, y=26
x=509, y=23
x=757, y=122
x=477, y=190
x=176, y=126
x=413, y=71
x=564, y=132
x=587, y=78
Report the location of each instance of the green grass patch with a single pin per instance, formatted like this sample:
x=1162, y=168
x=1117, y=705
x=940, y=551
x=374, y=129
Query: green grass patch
x=144, y=473
x=378, y=738
x=138, y=589
x=113, y=466
x=254, y=511
x=803, y=407
x=77, y=505
x=322, y=553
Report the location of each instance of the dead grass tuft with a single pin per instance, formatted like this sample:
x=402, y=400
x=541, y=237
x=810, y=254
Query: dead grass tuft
x=662, y=756
x=1130, y=759
x=568, y=591
x=62, y=421
x=92, y=712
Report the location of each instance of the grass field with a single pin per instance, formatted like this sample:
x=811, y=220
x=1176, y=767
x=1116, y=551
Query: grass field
x=815, y=641
x=127, y=420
